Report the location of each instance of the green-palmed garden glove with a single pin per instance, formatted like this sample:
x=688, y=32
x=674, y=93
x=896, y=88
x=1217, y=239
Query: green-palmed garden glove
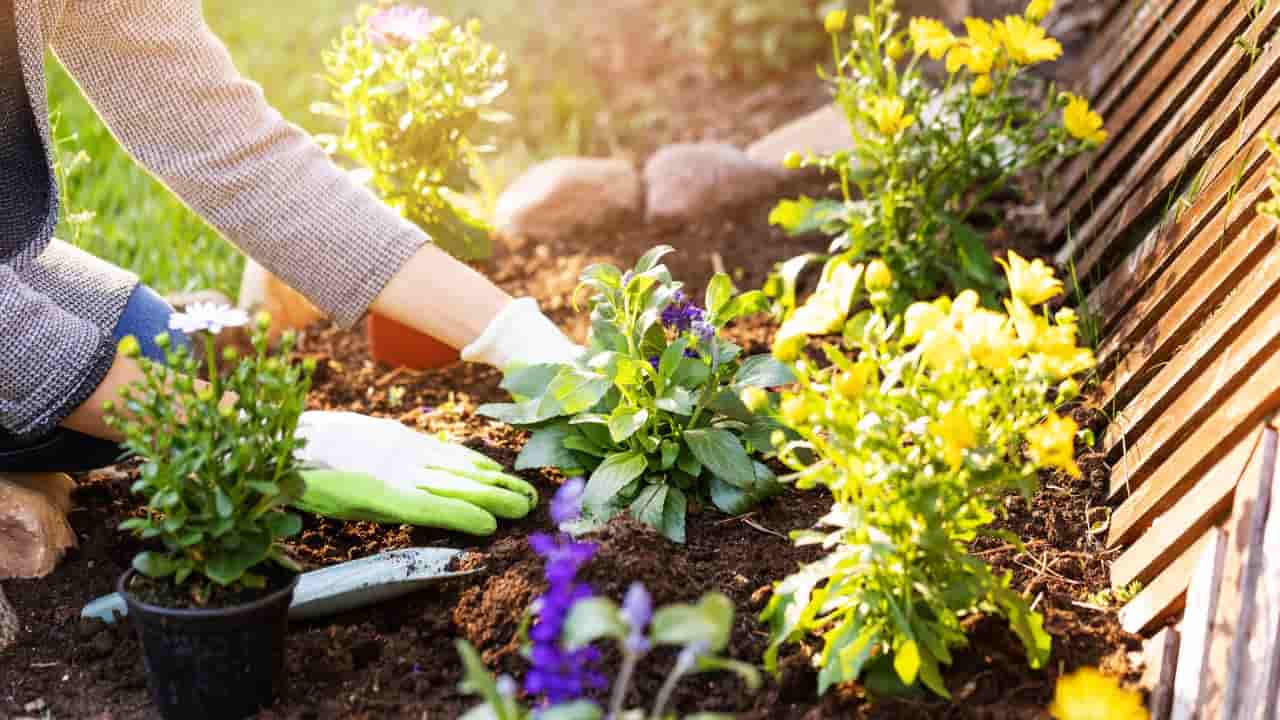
x=363, y=468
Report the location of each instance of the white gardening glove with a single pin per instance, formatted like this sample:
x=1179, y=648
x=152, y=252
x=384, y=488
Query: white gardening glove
x=520, y=335
x=363, y=468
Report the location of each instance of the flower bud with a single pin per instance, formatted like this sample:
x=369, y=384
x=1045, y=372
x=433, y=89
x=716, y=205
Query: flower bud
x=896, y=50
x=204, y=394
x=793, y=160
x=773, y=286
x=795, y=410
x=229, y=354
x=788, y=350
x=129, y=347
x=755, y=399
x=1068, y=390
x=836, y=21
x=878, y=276
x=1066, y=316
x=862, y=24
x=108, y=407
x=778, y=438
x=852, y=382
x=982, y=86
x=881, y=299
x=162, y=341
x=262, y=321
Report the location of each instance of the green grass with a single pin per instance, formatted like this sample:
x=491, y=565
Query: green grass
x=115, y=210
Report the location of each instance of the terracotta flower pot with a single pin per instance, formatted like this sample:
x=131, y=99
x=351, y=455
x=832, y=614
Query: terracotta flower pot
x=396, y=344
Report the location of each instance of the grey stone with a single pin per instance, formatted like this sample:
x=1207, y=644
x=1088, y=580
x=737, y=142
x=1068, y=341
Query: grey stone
x=34, y=533
x=686, y=181
x=570, y=193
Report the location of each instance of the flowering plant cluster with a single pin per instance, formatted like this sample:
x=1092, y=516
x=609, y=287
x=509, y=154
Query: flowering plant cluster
x=218, y=457
x=926, y=159
x=748, y=39
x=413, y=92
x=919, y=434
x=651, y=409
x=1272, y=206
x=571, y=619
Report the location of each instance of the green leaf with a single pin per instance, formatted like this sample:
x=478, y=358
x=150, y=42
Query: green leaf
x=283, y=524
x=721, y=453
x=674, y=511
x=222, y=502
x=615, y=473
x=677, y=401
x=649, y=505
x=577, y=391
x=576, y=710
x=590, y=620
x=584, y=444
x=710, y=621
x=749, y=674
x=625, y=422
x=670, y=361
x=154, y=565
x=546, y=448
x=748, y=303
x=228, y=566
x=719, y=293
x=763, y=371
x=693, y=373
x=906, y=662
x=688, y=463
x=530, y=381
x=670, y=451
x=606, y=275
x=650, y=259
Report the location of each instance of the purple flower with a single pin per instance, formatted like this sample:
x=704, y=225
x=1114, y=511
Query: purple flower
x=637, y=610
x=399, y=25
x=691, y=353
x=680, y=314
x=566, y=504
x=558, y=674
x=655, y=361
x=704, y=331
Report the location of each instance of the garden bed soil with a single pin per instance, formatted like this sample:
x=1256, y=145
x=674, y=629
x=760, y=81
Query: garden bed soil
x=398, y=660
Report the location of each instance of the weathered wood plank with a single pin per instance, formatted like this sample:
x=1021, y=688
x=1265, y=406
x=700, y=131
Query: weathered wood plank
x=1165, y=56
x=1208, y=503
x=1160, y=659
x=1197, y=628
x=1239, y=583
x=1246, y=406
x=1198, y=123
x=1247, y=273
x=1263, y=660
x=1166, y=596
x=1198, y=61
x=1230, y=178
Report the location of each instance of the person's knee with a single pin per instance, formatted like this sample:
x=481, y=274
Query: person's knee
x=146, y=316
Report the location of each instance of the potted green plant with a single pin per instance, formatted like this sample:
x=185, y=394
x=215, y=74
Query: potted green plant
x=209, y=598
x=413, y=92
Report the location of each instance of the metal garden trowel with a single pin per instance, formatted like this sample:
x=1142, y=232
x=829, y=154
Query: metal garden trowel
x=338, y=588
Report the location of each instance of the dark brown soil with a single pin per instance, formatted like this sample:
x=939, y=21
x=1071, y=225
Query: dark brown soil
x=398, y=660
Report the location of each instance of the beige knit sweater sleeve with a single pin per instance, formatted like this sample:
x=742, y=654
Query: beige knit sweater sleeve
x=168, y=90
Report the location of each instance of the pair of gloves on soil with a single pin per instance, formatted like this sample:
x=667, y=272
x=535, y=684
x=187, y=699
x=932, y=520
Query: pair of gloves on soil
x=363, y=468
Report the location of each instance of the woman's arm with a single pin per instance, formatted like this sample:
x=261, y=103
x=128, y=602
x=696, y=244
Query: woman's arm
x=168, y=89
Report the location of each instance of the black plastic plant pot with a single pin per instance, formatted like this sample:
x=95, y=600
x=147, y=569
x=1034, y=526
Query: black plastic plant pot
x=215, y=664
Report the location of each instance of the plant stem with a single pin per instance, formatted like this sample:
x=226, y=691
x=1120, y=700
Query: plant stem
x=623, y=683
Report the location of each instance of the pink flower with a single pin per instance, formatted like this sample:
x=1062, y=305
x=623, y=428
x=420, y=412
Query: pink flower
x=399, y=25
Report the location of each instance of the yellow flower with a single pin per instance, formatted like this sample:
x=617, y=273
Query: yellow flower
x=852, y=382
x=890, y=115
x=930, y=36
x=878, y=276
x=1052, y=444
x=991, y=339
x=1063, y=364
x=979, y=51
x=982, y=86
x=957, y=434
x=836, y=21
x=895, y=50
x=1038, y=10
x=792, y=160
x=1082, y=122
x=965, y=304
x=1032, y=282
x=1067, y=316
x=921, y=318
x=1026, y=43
x=943, y=347
x=1087, y=694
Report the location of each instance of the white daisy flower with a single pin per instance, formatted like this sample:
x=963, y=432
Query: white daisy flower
x=208, y=317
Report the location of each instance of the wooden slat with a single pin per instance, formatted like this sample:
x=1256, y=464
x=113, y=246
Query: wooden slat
x=1160, y=655
x=1239, y=582
x=1208, y=503
x=1247, y=405
x=1232, y=176
x=1263, y=662
x=1225, y=360
x=1198, y=123
x=1166, y=596
x=1127, y=105
x=1197, y=627
x=1199, y=58
x=1248, y=321
x=1164, y=319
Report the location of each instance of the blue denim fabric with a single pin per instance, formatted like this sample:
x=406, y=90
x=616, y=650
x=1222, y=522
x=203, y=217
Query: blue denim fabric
x=145, y=316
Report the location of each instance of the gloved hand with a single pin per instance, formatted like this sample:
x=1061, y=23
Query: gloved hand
x=520, y=335
x=363, y=468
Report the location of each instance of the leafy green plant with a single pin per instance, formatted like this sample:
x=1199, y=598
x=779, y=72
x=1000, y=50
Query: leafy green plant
x=748, y=39
x=216, y=473
x=926, y=160
x=651, y=409
x=1271, y=207
x=414, y=91
x=919, y=433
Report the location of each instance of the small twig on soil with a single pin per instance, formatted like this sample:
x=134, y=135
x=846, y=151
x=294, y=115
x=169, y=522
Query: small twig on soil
x=396, y=374
x=763, y=529
x=1035, y=603
x=1090, y=606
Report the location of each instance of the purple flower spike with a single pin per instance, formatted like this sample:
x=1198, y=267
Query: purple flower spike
x=399, y=25
x=566, y=504
x=655, y=361
x=637, y=609
x=558, y=674
x=704, y=331
x=680, y=314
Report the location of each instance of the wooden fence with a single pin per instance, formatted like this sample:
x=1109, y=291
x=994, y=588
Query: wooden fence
x=1183, y=275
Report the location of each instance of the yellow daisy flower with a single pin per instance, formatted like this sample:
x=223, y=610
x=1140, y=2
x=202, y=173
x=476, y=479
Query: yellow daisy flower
x=890, y=115
x=1052, y=444
x=1038, y=10
x=1082, y=122
x=1032, y=282
x=957, y=433
x=1087, y=694
x=930, y=36
x=982, y=86
x=1026, y=43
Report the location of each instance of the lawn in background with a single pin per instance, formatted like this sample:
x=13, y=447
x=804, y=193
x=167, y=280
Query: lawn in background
x=115, y=210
